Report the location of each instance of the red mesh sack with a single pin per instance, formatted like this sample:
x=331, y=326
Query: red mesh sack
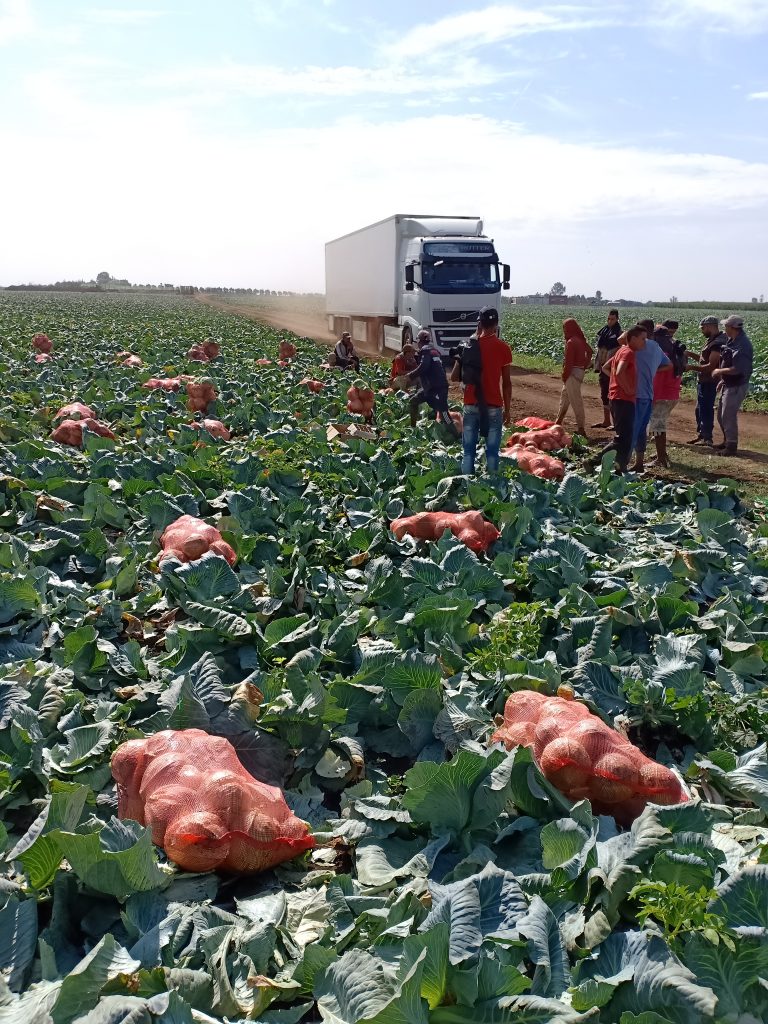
x=197, y=354
x=534, y=423
x=584, y=758
x=166, y=383
x=66, y=412
x=71, y=431
x=188, y=539
x=547, y=440
x=468, y=527
x=42, y=343
x=214, y=427
x=536, y=462
x=203, y=807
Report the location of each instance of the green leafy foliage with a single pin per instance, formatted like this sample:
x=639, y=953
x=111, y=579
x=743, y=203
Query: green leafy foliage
x=451, y=881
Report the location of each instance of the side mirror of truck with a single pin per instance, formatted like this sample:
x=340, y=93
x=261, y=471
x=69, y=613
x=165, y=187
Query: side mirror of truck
x=505, y=279
x=409, y=278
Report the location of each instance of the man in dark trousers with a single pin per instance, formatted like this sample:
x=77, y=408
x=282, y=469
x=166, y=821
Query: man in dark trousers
x=433, y=384
x=732, y=376
x=706, y=392
x=606, y=343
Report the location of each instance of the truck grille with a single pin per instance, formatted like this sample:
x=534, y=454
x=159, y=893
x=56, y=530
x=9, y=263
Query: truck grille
x=455, y=316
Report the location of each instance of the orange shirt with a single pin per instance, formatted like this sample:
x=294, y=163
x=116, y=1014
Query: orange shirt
x=625, y=388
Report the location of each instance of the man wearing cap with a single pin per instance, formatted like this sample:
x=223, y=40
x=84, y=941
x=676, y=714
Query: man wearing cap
x=346, y=356
x=706, y=392
x=732, y=375
x=433, y=384
x=487, y=391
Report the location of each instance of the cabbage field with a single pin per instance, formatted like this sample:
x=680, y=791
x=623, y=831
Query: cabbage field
x=451, y=883
x=537, y=330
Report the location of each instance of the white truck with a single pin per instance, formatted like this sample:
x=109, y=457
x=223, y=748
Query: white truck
x=412, y=272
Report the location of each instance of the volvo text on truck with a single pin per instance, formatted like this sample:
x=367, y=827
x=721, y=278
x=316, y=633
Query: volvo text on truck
x=386, y=282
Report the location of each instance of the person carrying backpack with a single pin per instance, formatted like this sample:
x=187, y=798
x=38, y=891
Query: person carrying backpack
x=484, y=368
x=433, y=384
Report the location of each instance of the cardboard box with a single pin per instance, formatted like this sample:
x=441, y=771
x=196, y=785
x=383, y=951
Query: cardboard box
x=350, y=431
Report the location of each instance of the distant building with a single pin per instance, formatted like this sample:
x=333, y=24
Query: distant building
x=542, y=300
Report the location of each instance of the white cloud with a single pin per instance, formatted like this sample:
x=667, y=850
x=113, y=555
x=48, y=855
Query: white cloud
x=121, y=16
x=260, y=81
x=16, y=20
x=758, y=95
x=499, y=23
x=206, y=208
x=492, y=25
x=727, y=16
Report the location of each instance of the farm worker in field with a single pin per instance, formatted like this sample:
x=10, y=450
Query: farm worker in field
x=606, y=343
x=673, y=326
x=732, y=376
x=346, y=356
x=485, y=369
x=706, y=392
x=577, y=358
x=648, y=360
x=433, y=384
x=403, y=363
x=621, y=369
x=666, y=390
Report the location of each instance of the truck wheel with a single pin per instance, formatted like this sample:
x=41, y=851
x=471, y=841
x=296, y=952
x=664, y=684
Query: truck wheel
x=407, y=336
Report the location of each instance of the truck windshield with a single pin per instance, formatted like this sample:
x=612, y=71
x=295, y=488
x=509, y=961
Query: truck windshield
x=464, y=277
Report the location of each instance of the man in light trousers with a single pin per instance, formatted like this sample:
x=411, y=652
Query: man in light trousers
x=733, y=376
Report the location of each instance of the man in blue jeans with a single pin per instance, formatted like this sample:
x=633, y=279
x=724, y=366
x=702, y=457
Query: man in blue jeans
x=496, y=388
x=648, y=359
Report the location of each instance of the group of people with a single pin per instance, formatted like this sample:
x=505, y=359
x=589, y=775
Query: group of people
x=640, y=372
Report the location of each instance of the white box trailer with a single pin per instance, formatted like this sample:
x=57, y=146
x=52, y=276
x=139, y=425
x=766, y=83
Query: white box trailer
x=387, y=281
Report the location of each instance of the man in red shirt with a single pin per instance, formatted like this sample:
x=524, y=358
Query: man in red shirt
x=622, y=394
x=496, y=394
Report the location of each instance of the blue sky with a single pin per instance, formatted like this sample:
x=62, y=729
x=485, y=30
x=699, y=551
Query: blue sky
x=619, y=146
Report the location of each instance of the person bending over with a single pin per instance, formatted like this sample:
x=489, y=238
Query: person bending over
x=433, y=384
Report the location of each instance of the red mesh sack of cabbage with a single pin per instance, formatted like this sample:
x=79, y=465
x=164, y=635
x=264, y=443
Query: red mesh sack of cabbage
x=205, y=810
x=534, y=423
x=585, y=758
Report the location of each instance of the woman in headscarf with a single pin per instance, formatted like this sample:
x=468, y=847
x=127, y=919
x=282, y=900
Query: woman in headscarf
x=578, y=356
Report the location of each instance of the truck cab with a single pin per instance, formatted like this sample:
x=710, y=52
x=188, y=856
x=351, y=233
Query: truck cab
x=446, y=282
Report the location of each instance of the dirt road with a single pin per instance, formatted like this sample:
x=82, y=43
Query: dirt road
x=306, y=320
x=538, y=394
